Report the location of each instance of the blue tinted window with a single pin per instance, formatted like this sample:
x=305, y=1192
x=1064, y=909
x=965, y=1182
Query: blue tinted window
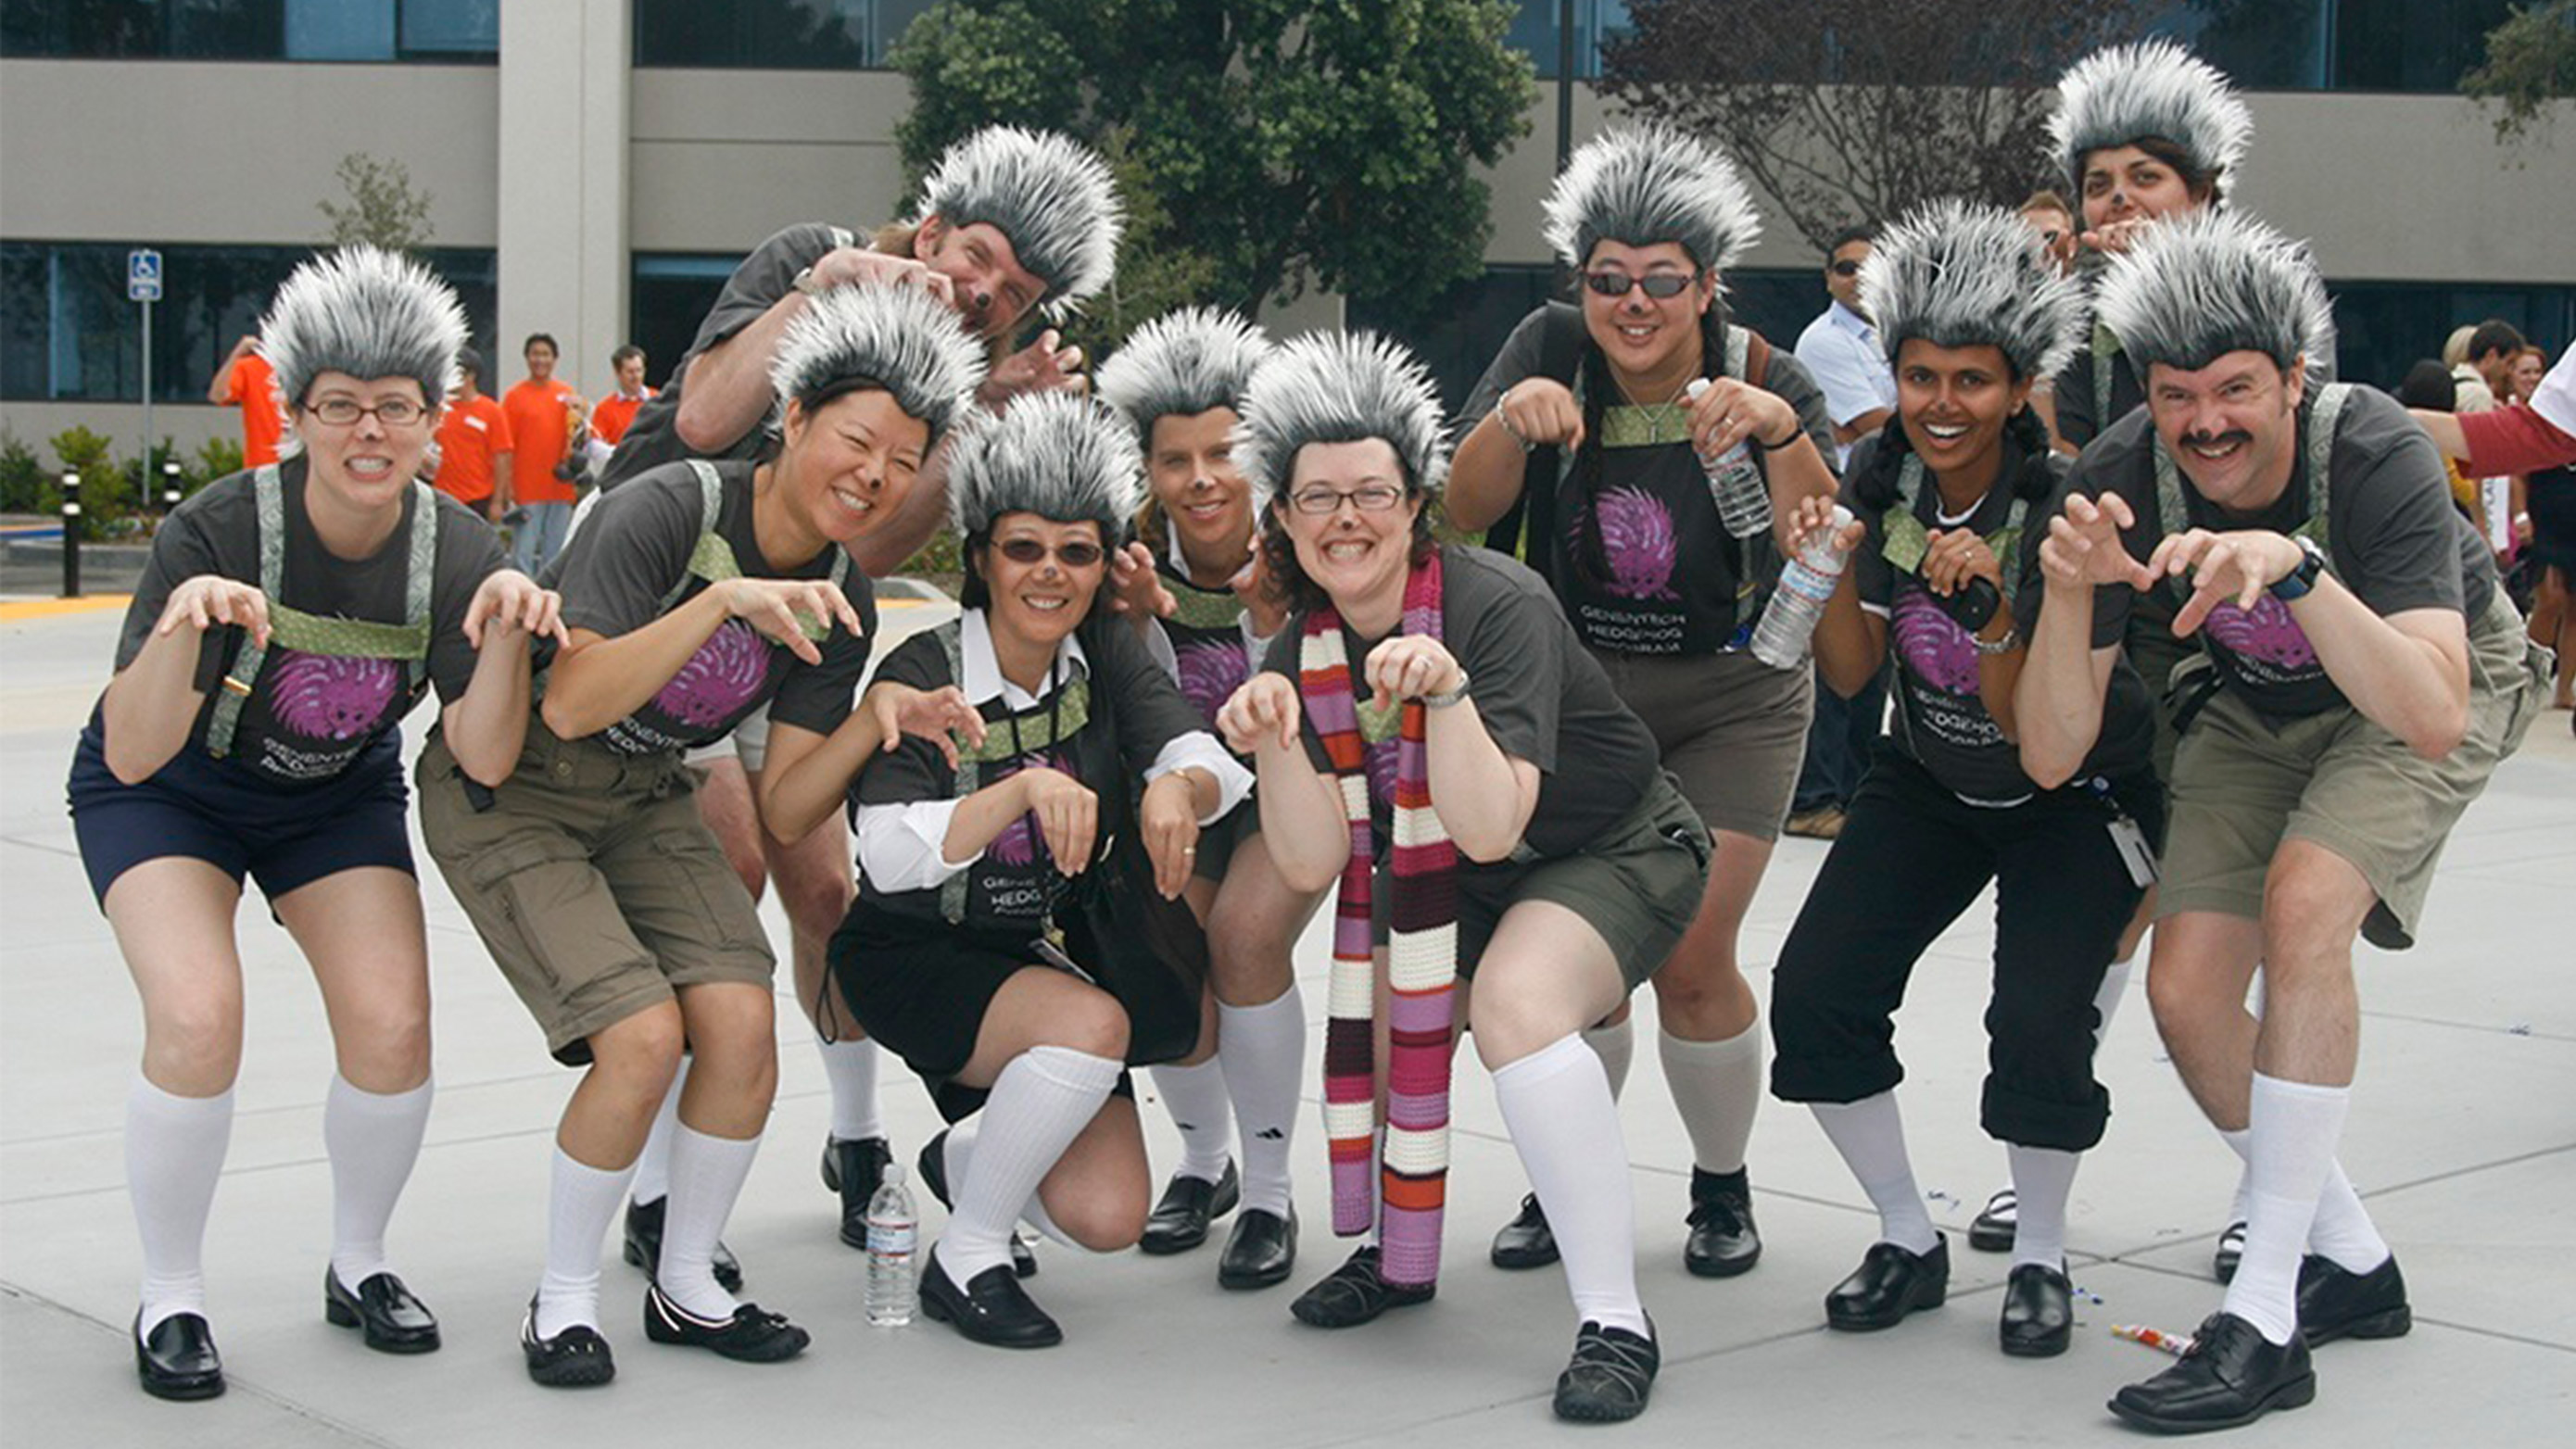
x=668, y=296
x=771, y=34
x=320, y=30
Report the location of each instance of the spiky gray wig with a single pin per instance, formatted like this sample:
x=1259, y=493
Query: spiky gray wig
x=1182, y=364
x=1052, y=196
x=1648, y=184
x=901, y=338
x=2194, y=288
x=2121, y=93
x=1339, y=387
x=1961, y=274
x=1060, y=455
x=369, y=313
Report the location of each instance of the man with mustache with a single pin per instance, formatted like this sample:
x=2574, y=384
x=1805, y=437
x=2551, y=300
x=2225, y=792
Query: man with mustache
x=2363, y=676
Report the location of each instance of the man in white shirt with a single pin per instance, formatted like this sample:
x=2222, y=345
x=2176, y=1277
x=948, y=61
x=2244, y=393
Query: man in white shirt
x=1840, y=349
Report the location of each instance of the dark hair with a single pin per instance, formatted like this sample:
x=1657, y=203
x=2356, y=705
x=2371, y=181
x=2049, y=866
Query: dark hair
x=2045, y=199
x=470, y=362
x=545, y=337
x=2206, y=187
x=1287, y=577
x=2430, y=385
x=618, y=358
x=1876, y=486
x=2494, y=335
x=1862, y=232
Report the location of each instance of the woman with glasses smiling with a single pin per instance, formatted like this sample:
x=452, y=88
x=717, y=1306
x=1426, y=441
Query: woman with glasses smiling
x=286, y=622
x=1587, y=429
x=985, y=948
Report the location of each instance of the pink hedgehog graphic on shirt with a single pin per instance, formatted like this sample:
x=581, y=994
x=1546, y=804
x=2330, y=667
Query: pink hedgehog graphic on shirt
x=1638, y=542
x=720, y=680
x=324, y=697
x=1931, y=643
x=1017, y=845
x=2265, y=632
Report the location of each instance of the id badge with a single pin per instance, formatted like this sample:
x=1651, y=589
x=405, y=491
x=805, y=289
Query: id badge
x=2131, y=842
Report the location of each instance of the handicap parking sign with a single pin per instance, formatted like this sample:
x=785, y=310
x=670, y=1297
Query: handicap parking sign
x=143, y=276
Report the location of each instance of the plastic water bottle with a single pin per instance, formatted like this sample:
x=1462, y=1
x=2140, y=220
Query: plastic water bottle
x=894, y=1227
x=1736, y=482
x=1789, y=621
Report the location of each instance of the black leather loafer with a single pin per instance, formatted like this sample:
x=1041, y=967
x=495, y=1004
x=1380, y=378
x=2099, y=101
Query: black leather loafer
x=1526, y=1241
x=1723, y=1241
x=644, y=1245
x=1353, y=1294
x=383, y=1309
x=1260, y=1252
x=992, y=1308
x=2039, y=1312
x=2230, y=1376
x=2335, y=1302
x=1610, y=1376
x=1889, y=1284
x=1993, y=1230
x=177, y=1360
x=577, y=1358
x=1180, y=1221
x=750, y=1335
x=2231, y=1251
x=854, y=1170
x=933, y=1166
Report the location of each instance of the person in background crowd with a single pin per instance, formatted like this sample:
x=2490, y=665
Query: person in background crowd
x=2047, y=213
x=615, y=412
x=475, y=448
x=545, y=418
x=2485, y=365
x=246, y=380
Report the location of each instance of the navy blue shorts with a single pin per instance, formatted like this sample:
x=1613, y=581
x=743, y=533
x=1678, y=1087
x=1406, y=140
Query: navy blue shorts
x=209, y=810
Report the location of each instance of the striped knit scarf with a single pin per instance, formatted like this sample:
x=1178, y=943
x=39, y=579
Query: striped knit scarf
x=1423, y=963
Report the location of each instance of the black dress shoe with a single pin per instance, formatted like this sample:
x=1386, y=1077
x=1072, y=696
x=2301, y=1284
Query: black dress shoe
x=1612, y=1373
x=1180, y=1221
x=2231, y=1375
x=393, y=1320
x=933, y=1165
x=576, y=1358
x=1353, y=1294
x=1261, y=1251
x=750, y=1335
x=1993, y=1230
x=2231, y=1251
x=855, y=1170
x=1889, y=1284
x=1526, y=1241
x=2039, y=1312
x=992, y=1308
x=1723, y=1241
x=2335, y=1302
x=177, y=1360
x=644, y=1245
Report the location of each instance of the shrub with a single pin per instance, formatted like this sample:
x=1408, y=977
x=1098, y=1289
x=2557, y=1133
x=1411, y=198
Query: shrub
x=22, y=477
x=105, y=494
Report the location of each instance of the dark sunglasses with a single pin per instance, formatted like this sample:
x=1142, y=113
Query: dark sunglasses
x=1075, y=555
x=1845, y=269
x=1660, y=286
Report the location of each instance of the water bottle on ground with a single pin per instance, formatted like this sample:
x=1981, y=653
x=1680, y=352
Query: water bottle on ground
x=1789, y=621
x=1736, y=482
x=894, y=1228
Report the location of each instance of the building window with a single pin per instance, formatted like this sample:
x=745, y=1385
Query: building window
x=2383, y=328
x=771, y=34
x=668, y=295
x=67, y=333
x=318, y=30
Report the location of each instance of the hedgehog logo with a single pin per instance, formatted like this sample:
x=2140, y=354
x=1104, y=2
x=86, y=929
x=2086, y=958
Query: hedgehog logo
x=720, y=680
x=325, y=697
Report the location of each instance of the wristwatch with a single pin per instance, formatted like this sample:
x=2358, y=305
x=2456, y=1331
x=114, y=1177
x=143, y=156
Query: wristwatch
x=2295, y=584
x=1447, y=698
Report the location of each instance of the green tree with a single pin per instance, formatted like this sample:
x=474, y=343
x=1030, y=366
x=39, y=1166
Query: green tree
x=1267, y=145
x=382, y=207
x=2531, y=61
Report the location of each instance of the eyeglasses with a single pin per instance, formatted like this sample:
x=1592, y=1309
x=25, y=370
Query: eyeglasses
x=344, y=412
x=1324, y=502
x=1845, y=269
x=1076, y=555
x=1660, y=286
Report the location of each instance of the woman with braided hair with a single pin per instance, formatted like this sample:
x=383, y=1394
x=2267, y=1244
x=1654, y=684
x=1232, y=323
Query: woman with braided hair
x=287, y=620
x=1427, y=715
x=1950, y=499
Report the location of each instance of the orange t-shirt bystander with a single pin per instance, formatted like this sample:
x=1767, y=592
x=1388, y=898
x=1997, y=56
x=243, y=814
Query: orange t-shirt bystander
x=254, y=391
x=538, y=422
x=472, y=434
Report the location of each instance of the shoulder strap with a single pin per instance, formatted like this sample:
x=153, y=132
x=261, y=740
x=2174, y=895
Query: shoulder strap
x=420, y=575
x=710, y=557
x=1522, y=531
x=1903, y=538
x=970, y=773
x=268, y=491
x=1748, y=355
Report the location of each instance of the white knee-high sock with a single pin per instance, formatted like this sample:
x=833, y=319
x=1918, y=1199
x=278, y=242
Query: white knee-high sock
x=958, y=1153
x=1870, y=1134
x=1616, y=1046
x=373, y=1140
x=1263, y=1052
x=653, y=1164
x=1716, y=1086
x=850, y=1069
x=1195, y=1096
x=707, y=1173
x=1556, y=1103
x=2106, y=1001
x=2295, y=1126
x=1040, y=1102
x=581, y=1205
x=2043, y=1178
x=174, y=1153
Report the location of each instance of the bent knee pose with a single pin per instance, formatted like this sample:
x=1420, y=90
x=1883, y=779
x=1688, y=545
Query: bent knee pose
x=696, y=593
x=1971, y=315
x=1589, y=429
x=1009, y=224
x=2364, y=676
x=974, y=855
x=1430, y=708
x=287, y=619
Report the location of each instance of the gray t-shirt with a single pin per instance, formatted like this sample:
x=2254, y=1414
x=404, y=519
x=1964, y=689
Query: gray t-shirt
x=1541, y=696
x=309, y=715
x=1636, y=551
x=2393, y=539
x=630, y=555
